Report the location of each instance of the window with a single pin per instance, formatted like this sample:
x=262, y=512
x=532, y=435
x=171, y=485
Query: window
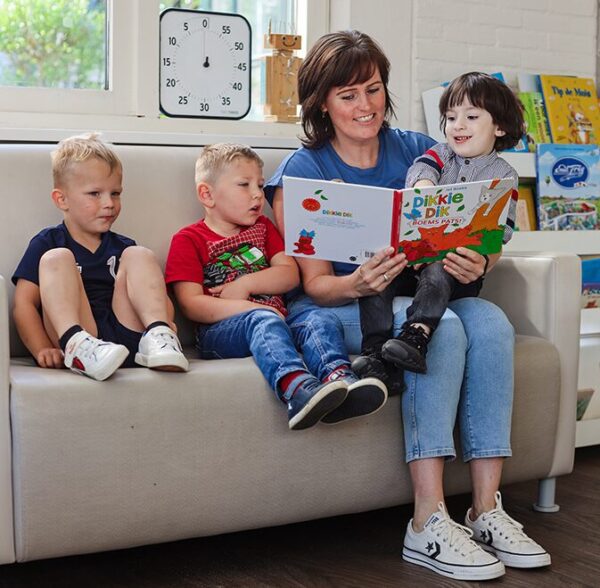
x=58, y=44
x=99, y=65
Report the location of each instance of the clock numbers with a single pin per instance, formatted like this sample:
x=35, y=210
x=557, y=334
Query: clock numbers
x=205, y=64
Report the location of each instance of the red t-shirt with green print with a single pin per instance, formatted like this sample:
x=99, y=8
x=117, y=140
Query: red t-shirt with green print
x=198, y=254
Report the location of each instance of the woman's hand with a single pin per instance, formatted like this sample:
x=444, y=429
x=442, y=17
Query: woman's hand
x=375, y=275
x=465, y=265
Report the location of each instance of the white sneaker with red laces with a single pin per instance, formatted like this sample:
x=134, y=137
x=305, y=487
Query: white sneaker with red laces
x=92, y=357
x=446, y=548
x=160, y=349
x=501, y=535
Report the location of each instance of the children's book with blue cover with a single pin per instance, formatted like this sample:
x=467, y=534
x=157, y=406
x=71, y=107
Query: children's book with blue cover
x=568, y=187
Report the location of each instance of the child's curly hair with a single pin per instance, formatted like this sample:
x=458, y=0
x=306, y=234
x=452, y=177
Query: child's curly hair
x=78, y=149
x=491, y=94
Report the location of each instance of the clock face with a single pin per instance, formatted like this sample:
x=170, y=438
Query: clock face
x=205, y=63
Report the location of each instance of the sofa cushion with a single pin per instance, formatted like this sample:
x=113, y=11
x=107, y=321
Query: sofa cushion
x=149, y=457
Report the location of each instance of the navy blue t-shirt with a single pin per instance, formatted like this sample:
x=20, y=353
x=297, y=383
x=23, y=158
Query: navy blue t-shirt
x=98, y=270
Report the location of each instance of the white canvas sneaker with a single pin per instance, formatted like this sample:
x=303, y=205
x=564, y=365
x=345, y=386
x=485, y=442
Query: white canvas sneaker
x=160, y=349
x=92, y=357
x=501, y=535
x=446, y=547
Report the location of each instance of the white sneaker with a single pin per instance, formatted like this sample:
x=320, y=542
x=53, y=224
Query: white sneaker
x=501, y=535
x=160, y=349
x=92, y=357
x=447, y=548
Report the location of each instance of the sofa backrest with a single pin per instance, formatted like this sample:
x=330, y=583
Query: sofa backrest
x=159, y=198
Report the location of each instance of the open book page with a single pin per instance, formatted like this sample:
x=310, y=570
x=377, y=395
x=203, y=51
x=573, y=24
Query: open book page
x=438, y=219
x=336, y=221
x=350, y=223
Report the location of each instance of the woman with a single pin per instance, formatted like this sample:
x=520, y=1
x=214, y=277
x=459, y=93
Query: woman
x=343, y=91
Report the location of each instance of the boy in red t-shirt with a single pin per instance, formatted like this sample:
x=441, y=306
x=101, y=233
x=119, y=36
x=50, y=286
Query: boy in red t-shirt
x=229, y=272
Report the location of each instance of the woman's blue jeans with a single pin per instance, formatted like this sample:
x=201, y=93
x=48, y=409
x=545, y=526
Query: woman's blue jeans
x=275, y=344
x=469, y=378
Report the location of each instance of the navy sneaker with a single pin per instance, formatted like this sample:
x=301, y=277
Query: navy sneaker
x=312, y=400
x=365, y=396
x=408, y=349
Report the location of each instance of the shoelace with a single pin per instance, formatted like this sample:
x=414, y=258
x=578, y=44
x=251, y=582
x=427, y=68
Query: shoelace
x=415, y=336
x=458, y=536
x=87, y=348
x=510, y=529
x=167, y=339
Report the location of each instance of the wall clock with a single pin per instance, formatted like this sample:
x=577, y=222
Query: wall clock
x=205, y=64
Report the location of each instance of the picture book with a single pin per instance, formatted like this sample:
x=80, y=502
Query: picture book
x=590, y=283
x=525, y=220
x=350, y=223
x=529, y=82
x=572, y=108
x=568, y=187
x=535, y=118
x=431, y=109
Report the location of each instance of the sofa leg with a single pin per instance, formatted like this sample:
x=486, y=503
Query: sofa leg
x=546, y=494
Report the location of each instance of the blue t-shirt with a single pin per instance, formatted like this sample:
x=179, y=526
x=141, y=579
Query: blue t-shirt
x=397, y=151
x=98, y=270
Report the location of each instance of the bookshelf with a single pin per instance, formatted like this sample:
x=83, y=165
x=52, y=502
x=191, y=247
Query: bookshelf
x=580, y=243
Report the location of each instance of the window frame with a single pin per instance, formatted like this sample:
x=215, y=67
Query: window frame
x=130, y=105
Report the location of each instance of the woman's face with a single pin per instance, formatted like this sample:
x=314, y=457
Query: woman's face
x=357, y=111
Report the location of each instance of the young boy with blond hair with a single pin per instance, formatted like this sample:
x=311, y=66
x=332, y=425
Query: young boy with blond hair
x=229, y=272
x=88, y=298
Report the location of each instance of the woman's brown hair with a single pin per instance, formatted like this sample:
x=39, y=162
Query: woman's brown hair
x=337, y=59
x=491, y=94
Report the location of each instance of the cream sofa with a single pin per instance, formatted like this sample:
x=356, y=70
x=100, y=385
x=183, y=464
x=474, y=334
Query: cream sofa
x=151, y=457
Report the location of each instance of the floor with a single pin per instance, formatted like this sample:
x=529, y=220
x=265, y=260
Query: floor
x=355, y=551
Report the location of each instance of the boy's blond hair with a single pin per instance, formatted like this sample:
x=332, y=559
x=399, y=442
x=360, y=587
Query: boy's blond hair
x=78, y=149
x=214, y=158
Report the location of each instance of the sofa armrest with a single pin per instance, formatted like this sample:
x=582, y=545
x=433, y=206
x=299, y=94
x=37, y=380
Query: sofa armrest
x=7, y=549
x=540, y=293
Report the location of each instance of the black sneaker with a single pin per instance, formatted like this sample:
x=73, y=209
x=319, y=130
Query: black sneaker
x=394, y=379
x=369, y=365
x=408, y=349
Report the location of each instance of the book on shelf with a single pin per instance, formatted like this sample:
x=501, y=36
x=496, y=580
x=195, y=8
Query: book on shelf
x=525, y=218
x=536, y=120
x=590, y=283
x=568, y=187
x=572, y=109
x=583, y=401
x=350, y=223
x=431, y=108
x=529, y=82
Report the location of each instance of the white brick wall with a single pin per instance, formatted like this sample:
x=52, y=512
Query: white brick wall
x=537, y=36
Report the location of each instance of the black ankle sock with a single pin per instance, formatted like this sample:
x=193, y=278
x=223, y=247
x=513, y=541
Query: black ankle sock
x=156, y=324
x=68, y=334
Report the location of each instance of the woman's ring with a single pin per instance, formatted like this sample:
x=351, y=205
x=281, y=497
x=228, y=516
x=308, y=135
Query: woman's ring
x=385, y=277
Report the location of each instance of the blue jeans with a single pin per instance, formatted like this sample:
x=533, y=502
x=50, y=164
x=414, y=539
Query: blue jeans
x=275, y=344
x=469, y=379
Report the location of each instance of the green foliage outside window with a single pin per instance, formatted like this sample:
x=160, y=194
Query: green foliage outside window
x=53, y=43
